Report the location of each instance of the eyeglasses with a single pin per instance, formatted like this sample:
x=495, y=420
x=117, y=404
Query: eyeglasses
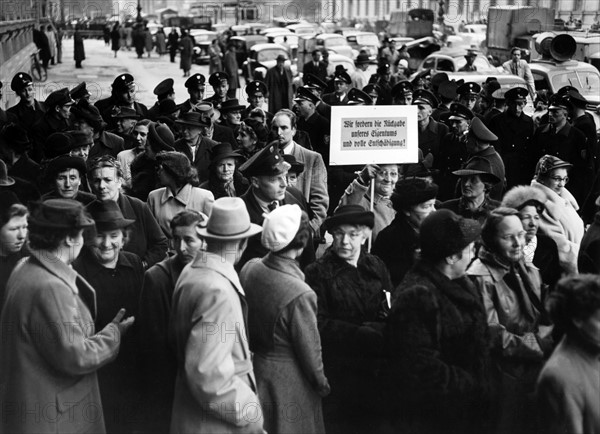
x=559, y=179
x=339, y=234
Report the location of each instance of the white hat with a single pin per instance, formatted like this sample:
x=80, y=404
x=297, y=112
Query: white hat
x=280, y=227
x=403, y=63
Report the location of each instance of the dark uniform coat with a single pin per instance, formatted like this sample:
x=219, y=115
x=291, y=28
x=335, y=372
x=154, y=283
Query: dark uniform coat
x=319, y=70
x=587, y=126
x=480, y=214
x=106, y=105
x=452, y=156
x=431, y=137
x=27, y=169
x=201, y=159
x=215, y=100
x=333, y=99
x=318, y=129
x=514, y=135
x=588, y=260
x=106, y=144
x=27, y=116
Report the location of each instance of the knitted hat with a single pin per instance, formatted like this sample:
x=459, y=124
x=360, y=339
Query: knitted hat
x=412, y=191
x=443, y=233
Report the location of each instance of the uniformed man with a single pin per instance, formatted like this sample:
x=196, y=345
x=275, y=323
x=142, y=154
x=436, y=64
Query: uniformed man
x=402, y=93
x=341, y=83
x=163, y=91
x=584, y=122
x=257, y=94
x=514, y=130
x=431, y=132
x=447, y=94
x=56, y=119
x=122, y=94
x=468, y=94
x=373, y=91
x=195, y=86
x=315, y=125
x=28, y=110
x=485, y=96
x=453, y=150
x=498, y=103
x=422, y=80
x=359, y=97
x=560, y=139
x=14, y=151
x=317, y=86
x=220, y=84
x=80, y=92
x=126, y=118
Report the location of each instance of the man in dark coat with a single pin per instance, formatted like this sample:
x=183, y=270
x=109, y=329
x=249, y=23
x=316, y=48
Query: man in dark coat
x=122, y=95
x=318, y=86
x=431, y=132
x=158, y=362
x=437, y=334
x=515, y=130
x=315, y=125
x=560, y=139
x=279, y=82
x=41, y=42
x=584, y=122
x=193, y=142
x=498, y=103
x=14, y=149
x=220, y=84
x=316, y=66
x=230, y=65
x=28, y=110
x=87, y=118
x=195, y=86
x=146, y=239
x=447, y=95
x=55, y=120
x=217, y=133
x=267, y=173
x=173, y=43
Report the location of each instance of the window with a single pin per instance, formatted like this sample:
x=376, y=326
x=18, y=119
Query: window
x=445, y=65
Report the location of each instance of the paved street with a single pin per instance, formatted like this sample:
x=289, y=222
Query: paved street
x=100, y=68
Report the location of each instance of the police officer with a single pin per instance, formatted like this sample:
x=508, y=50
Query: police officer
x=468, y=94
x=220, y=84
x=257, y=94
x=341, y=83
x=447, y=94
x=28, y=110
x=497, y=105
x=80, y=92
x=163, y=91
x=431, y=132
x=402, y=93
x=56, y=119
x=514, y=130
x=317, y=86
x=315, y=125
x=122, y=94
x=195, y=86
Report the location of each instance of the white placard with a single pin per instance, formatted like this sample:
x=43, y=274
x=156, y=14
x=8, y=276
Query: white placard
x=373, y=135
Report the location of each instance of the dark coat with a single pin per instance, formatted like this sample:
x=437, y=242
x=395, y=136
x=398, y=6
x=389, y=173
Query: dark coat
x=79, y=49
x=452, y=156
x=158, y=363
x=115, y=40
x=437, y=336
x=319, y=71
x=431, y=137
x=230, y=66
x=588, y=260
x=26, y=169
x=201, y=160
x=546, y=259
x=240, y=184
x=27, y=116
x=41, y=130
x=351, y=309
x=105, y=107
x=398, y=260
x=115, y=289
x=324, y=110
x=186, y=47
x=106, y=144
x=318, y=129
x=143, y=177
x=42, y=43
x=280, y=89
x=332, y=99
x=480, y=214
x=282, y=328
x=513, y=144
x=222, y=134
x=7, y=265
x=6, y=118
x=146, y=239
x=587, y=126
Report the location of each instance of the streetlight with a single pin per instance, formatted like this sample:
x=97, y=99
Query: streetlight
x=138, y=19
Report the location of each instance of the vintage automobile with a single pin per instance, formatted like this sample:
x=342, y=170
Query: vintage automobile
x=335, y=43
x=451, y=60
x=367, y=41
x=334, y=61
x=261, y=58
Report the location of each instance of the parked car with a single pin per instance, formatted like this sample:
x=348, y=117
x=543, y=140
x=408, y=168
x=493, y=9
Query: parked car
x=201, y=35
x=451, y=60
x=303, y=29
x=367, y=41
x=283, y=38
x=200, y=55
x=262, y=57
x=334, y=61
x=335, y=43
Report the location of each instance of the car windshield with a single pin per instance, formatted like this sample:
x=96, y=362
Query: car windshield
x=480, y=63
x=334, y=42
x=367, y=40
x=587, y=82
x=269, y=54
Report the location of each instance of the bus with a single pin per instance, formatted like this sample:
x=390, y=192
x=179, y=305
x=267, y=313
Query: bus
x=189, y=22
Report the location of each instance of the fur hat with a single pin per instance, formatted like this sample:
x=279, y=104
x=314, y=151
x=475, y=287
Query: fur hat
x=523, y=195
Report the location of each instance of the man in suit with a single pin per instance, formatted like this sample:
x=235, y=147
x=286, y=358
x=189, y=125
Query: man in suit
x=315, y=125
x=215, y=389
x=122, y=95
x=316, y=66
x=195, y=86
x=194, y=143
x=520, y=67
x=267, y=171
x=431, y=132
x=341, y=83
x=313, y=181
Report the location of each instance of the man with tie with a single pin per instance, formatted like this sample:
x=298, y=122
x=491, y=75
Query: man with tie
x=316, y=66
x=341, y=83
x=520, y=67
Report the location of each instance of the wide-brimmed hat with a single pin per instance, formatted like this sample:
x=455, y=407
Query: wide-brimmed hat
x=548, y=163
x=118, y=112
x=229, y=220
x=176, y=163
x=231, y=105
x=443, y=233
x=59, y=214
x=160, y=137
x=14, y=136
x=5, y=180
x=108, y=215
x=194, y=119
x=280, y=227
x=478, y=166
x=62, y=163
x=349, y=215
x=412, y=191
x=207, y=109
x=221, y=151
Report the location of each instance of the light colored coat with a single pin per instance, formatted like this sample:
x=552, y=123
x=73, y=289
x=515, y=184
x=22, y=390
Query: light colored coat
x=215, y=389
x=50, y=351
x=313, y=183
x=521, y=69
x=561, y=222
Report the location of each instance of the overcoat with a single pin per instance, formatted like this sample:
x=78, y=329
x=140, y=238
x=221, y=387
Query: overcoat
x=230, y=66
x=186, y=47
x=79, y=50
x=201, y=159
x=282, y=323
x=215, y=389
x=279, y=85
x=51, y=352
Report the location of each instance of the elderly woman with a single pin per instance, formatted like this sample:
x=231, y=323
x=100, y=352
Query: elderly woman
x=231, y=112
x=568, y=389
x=413, y=200
x=351, y=287
x=514, y=302
x=117, y=277
x=55, y=370
x=180, y=191
x=13, y=234
x=539, y=248
x=224, y=178
x=283, y=332
x=358, y=192
x=437, y=334
x=476, y=182
x=65, y=174
x=251, y=137
x=560, y=220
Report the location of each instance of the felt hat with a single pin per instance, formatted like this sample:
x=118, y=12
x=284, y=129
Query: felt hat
x=281, y=58
x=167, y=106
x=447, y=90
x=280, y=227
x=90, y=114
x=478, y=166
x=207, y=110
x=297, y=166
x=221, y=151
x=412, y=191
x=362, y=59
x=59, y=214
x=176, y=163
x=160, y=137
x=479, y=131
x=196, y=81
x=79, y=139
x=194, y=119
x=108, y=215
x=14, y=136
x=229, y=220
x=5, y=180
x=231, y=105
x=62, y=163
x=438, y=79
x=352, y=214
x=57, y=144
x=443, y=233
x=122, y=112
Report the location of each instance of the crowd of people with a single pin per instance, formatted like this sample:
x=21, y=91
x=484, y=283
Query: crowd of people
x=201, y=268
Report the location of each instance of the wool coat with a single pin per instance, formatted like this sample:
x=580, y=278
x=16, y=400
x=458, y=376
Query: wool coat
x=279, y=86
x=48, y=381
x=431, y=137
x=120, y=381
x=79, y=49
x=437, y=337
x=201, y=159
x=561, y=222
x=282, y=323
x=214, y=185
x=588, y=260
x=230, y=66
x=459, y=207
x=106, y=144
x=568, y=390
x=215, y=389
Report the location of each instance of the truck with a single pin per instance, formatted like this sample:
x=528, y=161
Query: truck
x=416, y=23
x=514, y=26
